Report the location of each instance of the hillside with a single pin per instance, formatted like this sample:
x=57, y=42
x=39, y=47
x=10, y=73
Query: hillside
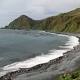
x=66, y=22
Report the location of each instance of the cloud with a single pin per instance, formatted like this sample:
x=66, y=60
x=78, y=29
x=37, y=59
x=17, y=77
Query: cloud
x=37, y=9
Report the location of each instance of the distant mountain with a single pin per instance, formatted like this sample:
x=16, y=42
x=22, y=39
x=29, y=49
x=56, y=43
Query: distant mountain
x=66, y=22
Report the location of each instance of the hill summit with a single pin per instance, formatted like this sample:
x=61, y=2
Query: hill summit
x=65, y=22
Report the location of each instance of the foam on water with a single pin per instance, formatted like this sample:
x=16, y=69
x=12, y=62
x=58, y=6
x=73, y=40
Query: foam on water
x=73, y=41
x=35, y=61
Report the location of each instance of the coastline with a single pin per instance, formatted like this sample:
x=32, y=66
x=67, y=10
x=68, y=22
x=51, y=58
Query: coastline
x=53, y=66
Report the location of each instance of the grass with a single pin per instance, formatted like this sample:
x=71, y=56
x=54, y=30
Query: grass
x=75, y=75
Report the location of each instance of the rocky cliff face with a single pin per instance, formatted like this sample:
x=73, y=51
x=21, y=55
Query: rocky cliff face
x=66, y=22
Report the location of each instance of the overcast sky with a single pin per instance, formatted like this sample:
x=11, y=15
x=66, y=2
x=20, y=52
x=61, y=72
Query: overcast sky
x=36, y=9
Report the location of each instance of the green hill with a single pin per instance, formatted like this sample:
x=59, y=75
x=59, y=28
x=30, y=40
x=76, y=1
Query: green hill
x=66, y=22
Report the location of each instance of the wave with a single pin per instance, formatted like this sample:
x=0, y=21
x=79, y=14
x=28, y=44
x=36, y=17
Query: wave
x=71, y=43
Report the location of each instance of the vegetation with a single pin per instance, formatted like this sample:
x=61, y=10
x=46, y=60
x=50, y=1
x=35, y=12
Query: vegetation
x=66, y=22
x=70, y=76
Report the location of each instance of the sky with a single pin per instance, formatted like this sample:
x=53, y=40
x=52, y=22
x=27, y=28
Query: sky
x=36, y=9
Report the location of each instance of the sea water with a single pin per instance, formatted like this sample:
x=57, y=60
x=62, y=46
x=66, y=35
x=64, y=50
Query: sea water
x=25, y=49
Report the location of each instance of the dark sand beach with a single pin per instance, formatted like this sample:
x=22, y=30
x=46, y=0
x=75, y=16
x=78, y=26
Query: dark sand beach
x=48, y=71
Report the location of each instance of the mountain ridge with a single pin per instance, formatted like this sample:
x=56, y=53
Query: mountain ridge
x=65, y=22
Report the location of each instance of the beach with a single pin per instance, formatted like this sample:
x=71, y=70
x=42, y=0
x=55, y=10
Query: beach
x=48, y=71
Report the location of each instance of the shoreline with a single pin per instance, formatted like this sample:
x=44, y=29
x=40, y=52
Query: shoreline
x=41, y=68
x=41, y=59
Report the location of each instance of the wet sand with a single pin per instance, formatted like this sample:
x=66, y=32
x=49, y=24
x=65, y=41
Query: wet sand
x=48, y=71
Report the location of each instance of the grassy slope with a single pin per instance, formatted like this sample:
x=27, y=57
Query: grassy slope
x=66, y=22
x=70, y=76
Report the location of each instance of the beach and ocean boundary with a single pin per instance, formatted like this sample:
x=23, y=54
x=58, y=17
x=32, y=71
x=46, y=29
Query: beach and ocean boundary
x=43, y=67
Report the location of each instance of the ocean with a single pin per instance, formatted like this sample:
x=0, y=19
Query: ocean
x=25, y=49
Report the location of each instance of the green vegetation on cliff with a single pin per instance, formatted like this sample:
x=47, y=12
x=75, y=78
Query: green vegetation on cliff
x=66, y=22
x=70, y=76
